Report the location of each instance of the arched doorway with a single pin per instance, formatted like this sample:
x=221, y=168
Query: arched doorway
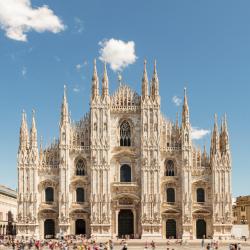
x=125, y=223
x=201, y=229
x=80, y=226
x=171, y=229
x=49, y=229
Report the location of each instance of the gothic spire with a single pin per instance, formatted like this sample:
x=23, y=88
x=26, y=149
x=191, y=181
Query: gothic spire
x=33, y=131
x=41, y=149
x=105, y=82
x=64, y=108
x=215, y=144
x=177, y=120
x=95, y=82
x=24, y=134
x=185, y=110
x=155, y=82
x=145, y=81
x=204, y=154
x=224, y=137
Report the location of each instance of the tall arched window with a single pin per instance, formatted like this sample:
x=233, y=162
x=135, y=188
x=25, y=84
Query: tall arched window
x=125, y=134
x=200, y=195
x=49, y=194
x=170, y=195
x=125, y=173
x=80, y=168
x=170, y=168
x=79, y=195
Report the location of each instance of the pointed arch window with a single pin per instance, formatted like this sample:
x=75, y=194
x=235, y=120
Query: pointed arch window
x=80, y=168
x=125, y=134
x=125, y=173
x=170, y=195
x=200, y=195
x=170, y=171
x=49, y=194
x=80, y=195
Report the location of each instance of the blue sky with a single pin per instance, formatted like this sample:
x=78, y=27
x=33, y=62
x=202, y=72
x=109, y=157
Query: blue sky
x=203, y=45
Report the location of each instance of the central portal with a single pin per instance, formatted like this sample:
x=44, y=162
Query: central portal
x=125, y=223
x=80, y=227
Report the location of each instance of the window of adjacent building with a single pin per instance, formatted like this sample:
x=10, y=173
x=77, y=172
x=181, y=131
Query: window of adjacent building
x=170, y=195
x=200, y=195
x=243, y=209
x=170, y=168
x=49, y=194
x=125, y=173
x=79, y=195
x=125, y=134
x=1, y=215
x=80, y=168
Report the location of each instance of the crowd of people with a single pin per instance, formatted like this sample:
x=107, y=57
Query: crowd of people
x=66, y=243
x=80, y=242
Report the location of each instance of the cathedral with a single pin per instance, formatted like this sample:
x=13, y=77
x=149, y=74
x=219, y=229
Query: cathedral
x=124, y=170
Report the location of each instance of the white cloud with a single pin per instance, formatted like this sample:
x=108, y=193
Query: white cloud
x=17, y=17
x=176, y=100
x=79, y=26
x=76, y=89
x=117, y=53
x=198, y=133
x=24, y=71
x=78, y=67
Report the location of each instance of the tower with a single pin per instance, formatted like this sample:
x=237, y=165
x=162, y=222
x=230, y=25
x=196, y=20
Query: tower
x=186, y=170
x=220, y=160
x=100, y=197
x=64, y=142
x=28, y=160
x=150, y=156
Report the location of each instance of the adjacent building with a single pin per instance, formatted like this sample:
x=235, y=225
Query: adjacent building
x=241, y=210
x=124, y=169
x=8, y=211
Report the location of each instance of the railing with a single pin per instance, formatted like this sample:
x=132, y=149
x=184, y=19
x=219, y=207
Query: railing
x=79, y=148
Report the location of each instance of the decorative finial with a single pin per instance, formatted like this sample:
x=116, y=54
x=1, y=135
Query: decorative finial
x=215, y=118
x=119, y=78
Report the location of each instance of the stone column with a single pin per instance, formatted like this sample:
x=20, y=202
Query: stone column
x=116, y=220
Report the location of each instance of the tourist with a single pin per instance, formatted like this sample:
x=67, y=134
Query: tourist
x=202, y=243
x=125, y=245
x=152, y=245
x=111, y=245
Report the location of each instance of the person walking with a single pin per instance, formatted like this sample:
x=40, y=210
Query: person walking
x=152, y=245
x=202, y=243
